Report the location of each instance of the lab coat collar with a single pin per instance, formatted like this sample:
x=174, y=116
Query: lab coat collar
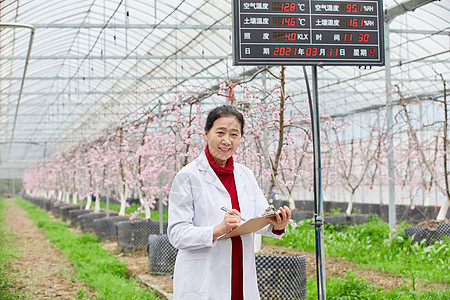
x=211, y=177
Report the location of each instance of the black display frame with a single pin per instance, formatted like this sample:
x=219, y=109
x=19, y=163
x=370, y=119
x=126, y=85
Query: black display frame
x=327, y=50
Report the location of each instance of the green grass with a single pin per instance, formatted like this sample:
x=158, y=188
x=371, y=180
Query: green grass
x=93, y=264
x=350, y=287
x=369, y=246
x=8, y=252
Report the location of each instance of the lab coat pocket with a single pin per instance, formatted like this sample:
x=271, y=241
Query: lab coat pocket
x=194, y=268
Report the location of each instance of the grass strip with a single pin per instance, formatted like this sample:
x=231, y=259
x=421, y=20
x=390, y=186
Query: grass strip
x=352, y=288
x=369, y=246
x=8, y=252
x=93, y=264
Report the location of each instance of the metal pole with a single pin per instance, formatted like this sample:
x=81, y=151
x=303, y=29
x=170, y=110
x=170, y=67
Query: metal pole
x=390, y=136
x=160, y=200
x=30, y=43
x=318, y=208
x=108, y=193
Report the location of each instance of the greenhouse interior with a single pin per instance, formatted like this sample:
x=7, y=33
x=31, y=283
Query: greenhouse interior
x=103, y=104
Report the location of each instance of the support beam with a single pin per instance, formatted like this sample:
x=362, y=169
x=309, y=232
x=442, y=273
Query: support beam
x=113, y=57
x=131, y=26
x=72, y=93
x=403, y=8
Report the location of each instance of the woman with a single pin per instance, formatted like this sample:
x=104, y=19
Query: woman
x=207, y=268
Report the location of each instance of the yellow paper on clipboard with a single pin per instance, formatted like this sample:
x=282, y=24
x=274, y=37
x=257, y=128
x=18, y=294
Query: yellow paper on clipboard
x=249, y=226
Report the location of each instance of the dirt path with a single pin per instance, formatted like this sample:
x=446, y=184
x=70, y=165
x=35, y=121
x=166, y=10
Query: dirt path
x=42, y=271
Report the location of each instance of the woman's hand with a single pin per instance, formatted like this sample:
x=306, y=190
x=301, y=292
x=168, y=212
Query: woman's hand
x=281, y=219
x=231, y=220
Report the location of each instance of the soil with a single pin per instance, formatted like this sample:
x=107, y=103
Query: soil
x=42, y=271
x=45, y=273
x=432, y=223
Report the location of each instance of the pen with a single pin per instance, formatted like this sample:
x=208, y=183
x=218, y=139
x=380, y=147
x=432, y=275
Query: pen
x=226, y=209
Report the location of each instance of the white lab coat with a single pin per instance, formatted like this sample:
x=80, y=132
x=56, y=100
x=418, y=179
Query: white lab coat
x=203, y=266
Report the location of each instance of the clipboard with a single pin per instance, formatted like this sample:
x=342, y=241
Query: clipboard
x=249, y=226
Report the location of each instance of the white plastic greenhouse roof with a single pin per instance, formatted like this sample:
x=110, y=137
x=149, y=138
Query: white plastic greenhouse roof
x=95, y=62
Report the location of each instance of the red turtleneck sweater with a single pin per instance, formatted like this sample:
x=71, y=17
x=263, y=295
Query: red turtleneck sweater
x=226, y=176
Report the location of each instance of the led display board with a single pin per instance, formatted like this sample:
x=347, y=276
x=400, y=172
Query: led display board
x=302, y=32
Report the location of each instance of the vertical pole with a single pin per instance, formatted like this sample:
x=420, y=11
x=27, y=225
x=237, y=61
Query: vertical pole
x=390, y=137
x=108, y=193
x=160, y=200
x=318, y=208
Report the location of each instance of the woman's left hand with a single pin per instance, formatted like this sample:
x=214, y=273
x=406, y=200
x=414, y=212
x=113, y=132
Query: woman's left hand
x=281, y=219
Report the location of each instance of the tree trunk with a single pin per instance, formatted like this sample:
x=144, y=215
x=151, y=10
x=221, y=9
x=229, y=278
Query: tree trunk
x=144, y=204
x=89, y=202
x=350, y=205
x=75, y=198
x=291, y=202
x=66, y=198
x=426, y=201
x=123, y=201
x=443, y=211
x=97, y=202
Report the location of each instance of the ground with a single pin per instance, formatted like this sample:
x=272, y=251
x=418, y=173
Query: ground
x=45, y=273
x=42, y=270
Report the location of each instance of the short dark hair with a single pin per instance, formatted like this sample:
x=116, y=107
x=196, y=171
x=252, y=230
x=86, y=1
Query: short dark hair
x=224, y=111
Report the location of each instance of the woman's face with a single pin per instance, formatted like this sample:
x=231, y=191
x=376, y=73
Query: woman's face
x=223, y=139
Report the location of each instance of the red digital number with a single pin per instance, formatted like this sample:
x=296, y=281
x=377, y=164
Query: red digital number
x=291, y=36
x=288, y=21
x=347, y=37
x=283, y=6
x=333, y=52
x=372, y=51
x=352, y=23
x=284, y=51
x=363, y=37
x=284, y=21
x=354, y=8
x=311, y=51
x=288, y=6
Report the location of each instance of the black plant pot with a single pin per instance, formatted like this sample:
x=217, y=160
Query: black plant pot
x=74, y=214
x=161, y=255
x=65, y=211
x=106, y=228
x=442, y=230
x=39, y=202
x=281, y=277
x=56, y=209
x=48, y=205
x=133, y=235
x=346, y=220
x=300, y=215
x=87, y=221
x=430, y=235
